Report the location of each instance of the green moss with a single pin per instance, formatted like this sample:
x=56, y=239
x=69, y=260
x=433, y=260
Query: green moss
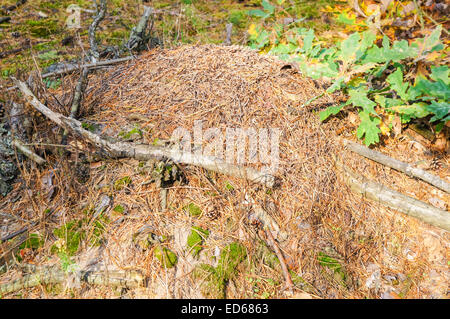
x=238, y=18
x=195, y=239
x=43, y=28
x=215, y=279
x=122, y=183
x=267, y=257
x=229, y=187
x=131, y=134
x=34, y=242
x=167, y=257
x=230, y=257
x=72, y=235
x=98, y=229
x=52, y=4
x=119, y=209
x=193, y=210
x=213, y=286
x=334, y=265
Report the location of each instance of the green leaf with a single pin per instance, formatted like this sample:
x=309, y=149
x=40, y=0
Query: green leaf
x=440, y=110
x=307, y=41
x=440, y=73
x=396, y=81
x=268, y=7
x=368, y=38
x=346, y=19
x=193, y=209
x=358, y=97
x=337, y=85
x=167, y=257
x=400, y=50
x=349, y=47
x=332, y=110
x=374, y=55
x=437, y=89
x=262, y=40
x=433, y=39
x=258, y=13
x=283, y=49
x=368, y=128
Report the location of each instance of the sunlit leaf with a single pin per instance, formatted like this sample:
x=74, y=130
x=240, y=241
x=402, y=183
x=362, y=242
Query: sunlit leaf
x=440, y=73
x=368, y=128
x=359, y=98
x=349, y=47
x=396, y=81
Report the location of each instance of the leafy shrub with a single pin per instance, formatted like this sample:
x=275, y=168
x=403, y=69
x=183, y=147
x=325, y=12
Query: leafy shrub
x=382, y=80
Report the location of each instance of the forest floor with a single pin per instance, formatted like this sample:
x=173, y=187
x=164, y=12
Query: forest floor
x=107, y=214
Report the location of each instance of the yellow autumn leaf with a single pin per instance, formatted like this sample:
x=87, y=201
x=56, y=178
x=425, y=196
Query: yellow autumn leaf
x=384, y=128
x=252, y=30
x=432, y=56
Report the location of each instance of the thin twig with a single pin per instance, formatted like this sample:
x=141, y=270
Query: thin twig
x=287, y=277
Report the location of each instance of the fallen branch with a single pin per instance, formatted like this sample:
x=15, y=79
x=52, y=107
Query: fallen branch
x=89, y=66
x=79, y=90
x=55, y=275
x=145, y=152
x=77, y=97
x=27, y=152
x=393, y=199
x=398, y=165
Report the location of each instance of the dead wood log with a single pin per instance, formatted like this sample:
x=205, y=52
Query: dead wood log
x=398, y=165
x=88, y=66
x=55, y=275
x=143, y=151
x=393, y=199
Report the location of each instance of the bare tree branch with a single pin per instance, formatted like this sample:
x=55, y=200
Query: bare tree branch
x=145, y=152
x=93, y=27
